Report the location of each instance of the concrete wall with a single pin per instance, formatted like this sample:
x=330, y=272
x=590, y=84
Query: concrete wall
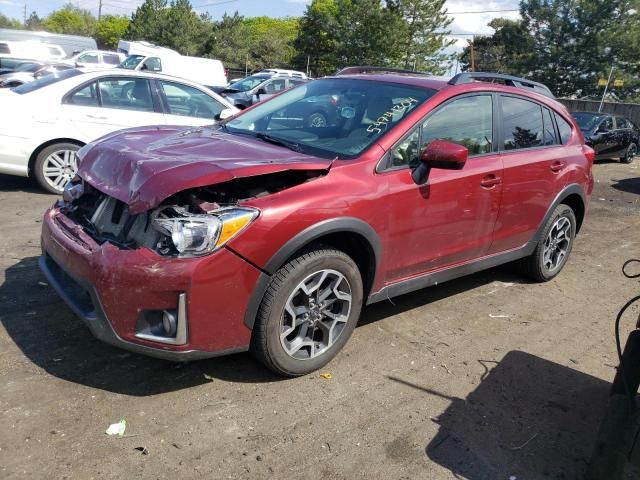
x=627, y=110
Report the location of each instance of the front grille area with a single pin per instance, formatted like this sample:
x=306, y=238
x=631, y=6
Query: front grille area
x=107, y=219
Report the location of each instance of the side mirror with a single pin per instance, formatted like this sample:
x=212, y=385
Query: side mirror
x=602, y=129
x=440, y=154
x=261, y=91
x=226, y=113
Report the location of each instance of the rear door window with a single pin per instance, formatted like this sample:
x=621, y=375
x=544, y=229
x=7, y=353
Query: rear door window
x=110, y=59
x=86, y=96
x=126, y=93
x=622, y=123
x=522, y=125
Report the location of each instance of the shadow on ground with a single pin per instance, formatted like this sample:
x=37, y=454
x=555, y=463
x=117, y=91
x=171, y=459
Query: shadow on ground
x=52, y=337
x=11, y=183
x=528, y=418
x=629, y=185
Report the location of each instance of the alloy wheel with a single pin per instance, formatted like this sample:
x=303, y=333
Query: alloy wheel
x=59, y=168
x=315, y=314
x=556, y=245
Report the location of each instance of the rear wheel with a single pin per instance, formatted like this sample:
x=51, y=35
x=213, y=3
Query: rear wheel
x=554, y=246
x=629, y=155
x=308, y=313
x=56, y=165
x=317, y=120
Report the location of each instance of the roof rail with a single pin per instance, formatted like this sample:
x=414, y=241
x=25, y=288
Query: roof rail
x=467, y=77
x=357, y=70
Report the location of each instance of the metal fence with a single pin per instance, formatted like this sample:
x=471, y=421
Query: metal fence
x=627, y=110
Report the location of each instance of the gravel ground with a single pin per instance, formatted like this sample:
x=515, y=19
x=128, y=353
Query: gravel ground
x=485, y=377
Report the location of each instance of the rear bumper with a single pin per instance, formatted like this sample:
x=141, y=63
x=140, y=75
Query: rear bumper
x=109, y=288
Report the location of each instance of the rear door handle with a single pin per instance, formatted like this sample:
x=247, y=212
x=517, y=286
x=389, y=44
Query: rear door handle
x=557, y=166
x=490, y=181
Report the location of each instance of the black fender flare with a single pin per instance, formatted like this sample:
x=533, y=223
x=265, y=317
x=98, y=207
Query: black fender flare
x=570, y=189
x=305, y=237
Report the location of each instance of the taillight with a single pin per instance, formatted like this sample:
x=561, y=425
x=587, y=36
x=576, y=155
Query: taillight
x=589, y=153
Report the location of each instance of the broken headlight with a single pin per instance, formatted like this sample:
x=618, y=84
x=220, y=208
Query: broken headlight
x=193, y=235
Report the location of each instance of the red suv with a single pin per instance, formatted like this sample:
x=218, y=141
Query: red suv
x=269, y=233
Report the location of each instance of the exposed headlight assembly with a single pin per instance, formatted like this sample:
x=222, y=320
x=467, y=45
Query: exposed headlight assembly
x=194, y=235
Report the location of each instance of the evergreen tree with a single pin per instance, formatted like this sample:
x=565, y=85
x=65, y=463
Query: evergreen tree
x=424, y=34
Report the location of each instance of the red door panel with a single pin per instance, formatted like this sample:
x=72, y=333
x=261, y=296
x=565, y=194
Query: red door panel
x=447, y=221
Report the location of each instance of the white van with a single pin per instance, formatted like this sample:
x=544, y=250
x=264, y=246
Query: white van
x=145, y=56
x=31, y=50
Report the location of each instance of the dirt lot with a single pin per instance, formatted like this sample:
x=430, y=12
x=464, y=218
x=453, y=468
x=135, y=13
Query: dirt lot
x=485, y=377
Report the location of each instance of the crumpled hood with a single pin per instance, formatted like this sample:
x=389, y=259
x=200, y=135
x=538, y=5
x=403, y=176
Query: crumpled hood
x=143, y=166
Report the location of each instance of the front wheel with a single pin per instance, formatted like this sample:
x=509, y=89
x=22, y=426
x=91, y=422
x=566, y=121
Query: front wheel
x=554, y=246
x=308, y=312
x=56, y=165
x=630, y=153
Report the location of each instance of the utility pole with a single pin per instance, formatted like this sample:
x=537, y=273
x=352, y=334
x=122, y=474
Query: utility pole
x=24, y=18
x=605, y=89
x=473, y=57
x=99, y=9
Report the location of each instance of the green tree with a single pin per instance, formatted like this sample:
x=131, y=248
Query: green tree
x=337, y=33
x=34, y=22
x=573, y=42
x=504, y=52
x=424, y=36
x=228, y=41
x=271, y=41
x=110, y=29
x=71, y=20
x=184, y=29
x=6, y=22
x=316, y=42
x=148, y=21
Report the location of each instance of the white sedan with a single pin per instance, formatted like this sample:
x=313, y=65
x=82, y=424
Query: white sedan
x=46, y=121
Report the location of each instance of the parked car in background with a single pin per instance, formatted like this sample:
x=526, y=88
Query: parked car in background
x=51, y=118
x=287, y=73
x=95, y=59
x=146, y=57
x=611, y=136
x=30, y=49
x=266, y=234
x=28, y=72
x=259, y=87
x=68, y=43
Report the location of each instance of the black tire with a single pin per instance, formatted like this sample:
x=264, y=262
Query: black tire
x=533, y=266
x=317, y=120
x=266, y=345
x=630, y=153
x=39, y=165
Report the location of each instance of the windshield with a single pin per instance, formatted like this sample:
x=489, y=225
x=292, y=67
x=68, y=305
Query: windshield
x=587, y=121
x=248, y=83
x=28, y=67
x=331, y=118
x=46, y=80
x=131, y=62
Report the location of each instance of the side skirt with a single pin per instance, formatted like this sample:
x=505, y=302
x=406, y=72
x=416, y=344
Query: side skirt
x=449, y=273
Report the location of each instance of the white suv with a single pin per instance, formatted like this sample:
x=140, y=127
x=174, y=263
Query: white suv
x=95, y=59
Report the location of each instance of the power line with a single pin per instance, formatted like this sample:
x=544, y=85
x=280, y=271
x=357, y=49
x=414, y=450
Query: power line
x=483, y=11
x=213, y=4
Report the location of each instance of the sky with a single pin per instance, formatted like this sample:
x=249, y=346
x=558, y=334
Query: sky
x=473, y=23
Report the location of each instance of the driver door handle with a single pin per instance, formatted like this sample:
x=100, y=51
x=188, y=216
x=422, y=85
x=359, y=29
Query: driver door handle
x=490, y=181
x=96, y=117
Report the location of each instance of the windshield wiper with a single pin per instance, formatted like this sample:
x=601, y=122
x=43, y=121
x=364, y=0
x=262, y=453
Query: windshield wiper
x=279, y=141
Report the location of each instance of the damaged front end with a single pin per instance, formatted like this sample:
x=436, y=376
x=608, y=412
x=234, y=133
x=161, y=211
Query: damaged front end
x=191, y=223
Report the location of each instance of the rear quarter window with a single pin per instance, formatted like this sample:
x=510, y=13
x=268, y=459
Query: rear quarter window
x=564, y=128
